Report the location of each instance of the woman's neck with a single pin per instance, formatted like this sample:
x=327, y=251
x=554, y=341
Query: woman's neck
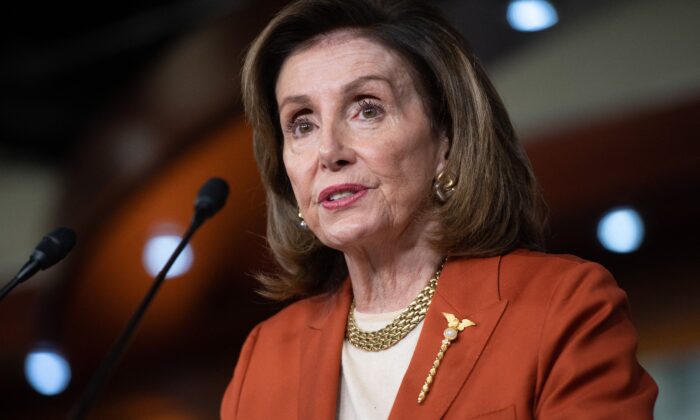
x=388, y=279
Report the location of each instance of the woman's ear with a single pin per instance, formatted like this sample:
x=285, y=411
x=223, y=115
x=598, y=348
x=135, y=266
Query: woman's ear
x=443, y=153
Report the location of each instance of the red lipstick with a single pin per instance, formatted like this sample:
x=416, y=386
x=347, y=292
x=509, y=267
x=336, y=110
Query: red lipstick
x=341, y=195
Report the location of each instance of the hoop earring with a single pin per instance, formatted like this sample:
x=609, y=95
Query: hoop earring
x=443, y=186
x=302, y=222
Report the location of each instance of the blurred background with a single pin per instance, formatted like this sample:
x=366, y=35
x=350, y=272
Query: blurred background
x=115, y=112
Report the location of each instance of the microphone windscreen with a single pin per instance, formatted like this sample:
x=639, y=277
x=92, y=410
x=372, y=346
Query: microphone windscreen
x=211, y=197
x=54, y=247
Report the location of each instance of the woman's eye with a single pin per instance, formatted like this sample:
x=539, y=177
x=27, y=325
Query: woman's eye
x=300, y=127
x=370, y=110
x=303, y=127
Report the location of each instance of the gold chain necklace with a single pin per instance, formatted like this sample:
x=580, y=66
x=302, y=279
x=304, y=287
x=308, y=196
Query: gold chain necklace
x=399, y=327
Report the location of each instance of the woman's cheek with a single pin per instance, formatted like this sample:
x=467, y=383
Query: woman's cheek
x=301, y=185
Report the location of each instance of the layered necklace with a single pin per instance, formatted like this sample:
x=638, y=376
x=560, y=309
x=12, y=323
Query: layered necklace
x=399, y=327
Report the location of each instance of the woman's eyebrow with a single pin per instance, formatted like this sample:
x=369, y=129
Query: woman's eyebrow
x=296, y=99
x=363, y=80
x=348, y=88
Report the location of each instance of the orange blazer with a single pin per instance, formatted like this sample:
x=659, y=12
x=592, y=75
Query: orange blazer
x=553, y=340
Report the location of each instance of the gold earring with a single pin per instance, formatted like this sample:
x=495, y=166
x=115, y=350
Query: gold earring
x=302, y=222
x=444, y=186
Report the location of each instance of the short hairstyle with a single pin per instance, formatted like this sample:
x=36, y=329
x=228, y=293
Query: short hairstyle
x=496, y=205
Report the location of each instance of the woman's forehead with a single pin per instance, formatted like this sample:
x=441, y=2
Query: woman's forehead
x=333, y=38
x=341, y=57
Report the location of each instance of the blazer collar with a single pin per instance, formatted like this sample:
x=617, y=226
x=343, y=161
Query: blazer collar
x=321, y=352
x=468, y=288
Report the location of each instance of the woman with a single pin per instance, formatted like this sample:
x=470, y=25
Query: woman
x=404, y=212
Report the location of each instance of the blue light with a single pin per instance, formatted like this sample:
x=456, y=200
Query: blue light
x=158, y=250
x=47, y=372
x=621, y=230
x=531, y=15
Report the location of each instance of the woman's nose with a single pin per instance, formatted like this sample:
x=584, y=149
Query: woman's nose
x=335, y=150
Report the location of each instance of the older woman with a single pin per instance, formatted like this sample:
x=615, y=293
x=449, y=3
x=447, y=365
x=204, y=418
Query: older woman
x=404, y=213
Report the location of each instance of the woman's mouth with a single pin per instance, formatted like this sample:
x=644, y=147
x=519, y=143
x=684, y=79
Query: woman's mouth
x=341, y=195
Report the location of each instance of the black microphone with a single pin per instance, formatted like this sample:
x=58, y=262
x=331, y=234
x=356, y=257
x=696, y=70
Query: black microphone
x=210, y=199
x=52, y=249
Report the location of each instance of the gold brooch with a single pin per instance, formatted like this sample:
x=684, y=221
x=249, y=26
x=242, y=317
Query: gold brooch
x=454, y=327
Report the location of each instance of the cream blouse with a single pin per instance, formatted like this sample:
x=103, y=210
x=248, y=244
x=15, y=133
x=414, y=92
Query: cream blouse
x=369, y=381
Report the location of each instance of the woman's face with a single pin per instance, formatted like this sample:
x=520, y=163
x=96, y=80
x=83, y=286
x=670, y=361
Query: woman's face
x=358, y=146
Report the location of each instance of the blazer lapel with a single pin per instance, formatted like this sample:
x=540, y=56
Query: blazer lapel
x=321, y=351
x=468, y=288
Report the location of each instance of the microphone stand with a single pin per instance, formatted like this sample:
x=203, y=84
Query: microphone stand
x=6, y=289
x=28, y=270
x=100, y=377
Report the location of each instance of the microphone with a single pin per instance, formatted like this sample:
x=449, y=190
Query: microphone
x=210, y=199
x=52, y=249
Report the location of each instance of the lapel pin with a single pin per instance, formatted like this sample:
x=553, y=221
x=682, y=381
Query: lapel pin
x=454, y=327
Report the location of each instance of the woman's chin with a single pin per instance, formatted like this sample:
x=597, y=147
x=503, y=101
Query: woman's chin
x=346, y=236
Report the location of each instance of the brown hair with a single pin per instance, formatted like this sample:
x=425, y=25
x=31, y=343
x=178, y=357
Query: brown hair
x=496, y=205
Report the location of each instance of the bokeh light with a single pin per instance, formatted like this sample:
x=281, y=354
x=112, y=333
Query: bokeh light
x=531, y=15
x=47, y=371
x=157, y=251
x=621, y=230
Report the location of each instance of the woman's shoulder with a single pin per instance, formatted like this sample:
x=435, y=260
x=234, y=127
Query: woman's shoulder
x=571, y=322
x=527, y=264
x=524, y=272
x=524, y=259
x=300, y=314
